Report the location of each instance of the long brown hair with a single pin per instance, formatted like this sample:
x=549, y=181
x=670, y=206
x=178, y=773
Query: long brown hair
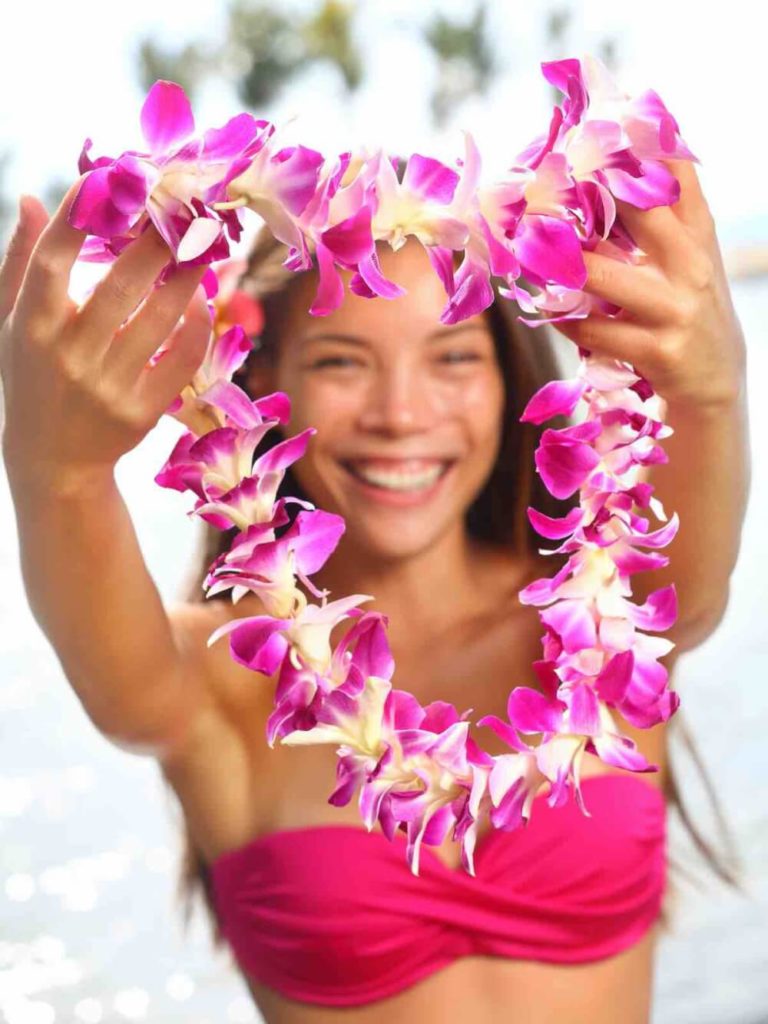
x=528, y=359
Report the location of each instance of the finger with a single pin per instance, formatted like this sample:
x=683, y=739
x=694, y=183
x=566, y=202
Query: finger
x=120, y=292
x=32, y=219
x=158, y=385
x=44, y=292
x=692, y=207
x=640, y=290
x=157, y=317
x=611, y=337
x=660, y=234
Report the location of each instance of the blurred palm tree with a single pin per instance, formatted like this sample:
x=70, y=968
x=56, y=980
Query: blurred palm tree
x=262, y=52
x=465, y=61
x=556, y=27
x=264, y=48
x=328, y=36
x=187, y=66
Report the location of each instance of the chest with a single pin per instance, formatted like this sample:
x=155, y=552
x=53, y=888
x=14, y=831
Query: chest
x=471, y=669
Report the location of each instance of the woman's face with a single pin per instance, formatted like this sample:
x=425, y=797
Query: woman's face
x=407, y=410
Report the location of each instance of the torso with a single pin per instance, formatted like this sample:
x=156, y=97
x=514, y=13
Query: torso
x=250, y=790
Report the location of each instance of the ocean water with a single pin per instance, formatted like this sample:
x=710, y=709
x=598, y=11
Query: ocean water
x=89, y=930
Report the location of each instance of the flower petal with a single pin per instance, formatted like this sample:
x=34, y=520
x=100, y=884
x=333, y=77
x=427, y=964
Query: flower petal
x=166, y=116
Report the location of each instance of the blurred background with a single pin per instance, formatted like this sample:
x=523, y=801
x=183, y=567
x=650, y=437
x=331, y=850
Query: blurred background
x=88, y=838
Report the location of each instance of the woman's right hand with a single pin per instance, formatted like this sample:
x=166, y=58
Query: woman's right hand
x=79, y=392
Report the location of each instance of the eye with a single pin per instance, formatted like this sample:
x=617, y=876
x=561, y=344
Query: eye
x=342, y=362
x=459, y=357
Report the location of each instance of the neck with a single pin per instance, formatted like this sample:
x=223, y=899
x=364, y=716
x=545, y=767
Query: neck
x=422, y=594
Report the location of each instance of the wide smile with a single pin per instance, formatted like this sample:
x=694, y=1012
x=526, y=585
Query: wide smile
x=406, y=483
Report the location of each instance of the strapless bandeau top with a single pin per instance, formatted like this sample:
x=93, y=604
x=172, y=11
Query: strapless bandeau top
x=332, y=914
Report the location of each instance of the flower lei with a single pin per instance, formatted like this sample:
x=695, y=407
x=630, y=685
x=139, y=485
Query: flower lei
x=416, y=768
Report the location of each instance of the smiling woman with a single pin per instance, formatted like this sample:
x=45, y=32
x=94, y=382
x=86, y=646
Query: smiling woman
x=418, y=444
x=342, y=371
x=420, y=448
x=401, y=472
x=408, y=421
x=396, y=389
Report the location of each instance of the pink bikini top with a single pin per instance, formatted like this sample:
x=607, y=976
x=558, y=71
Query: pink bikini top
x=332, y=914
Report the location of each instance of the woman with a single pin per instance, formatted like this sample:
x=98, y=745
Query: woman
x=417, y=446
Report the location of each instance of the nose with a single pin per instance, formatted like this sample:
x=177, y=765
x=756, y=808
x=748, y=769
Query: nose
x=397, y=402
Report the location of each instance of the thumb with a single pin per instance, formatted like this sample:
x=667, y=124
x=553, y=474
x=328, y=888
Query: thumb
x=32, y=219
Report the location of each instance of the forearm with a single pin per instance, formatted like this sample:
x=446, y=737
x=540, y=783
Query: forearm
x=92, y=595
x=707, y=483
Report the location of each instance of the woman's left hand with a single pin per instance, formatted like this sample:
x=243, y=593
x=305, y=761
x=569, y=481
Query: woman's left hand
x=678, y=326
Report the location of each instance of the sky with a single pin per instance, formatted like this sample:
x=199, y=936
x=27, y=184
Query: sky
x=67, y=72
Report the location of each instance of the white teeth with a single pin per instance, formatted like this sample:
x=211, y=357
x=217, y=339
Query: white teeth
x=399, y=481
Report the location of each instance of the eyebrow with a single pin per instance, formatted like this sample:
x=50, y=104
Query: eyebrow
x=354, y=339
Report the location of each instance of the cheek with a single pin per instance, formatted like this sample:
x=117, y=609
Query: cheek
x=483, y=404
x=319, y=402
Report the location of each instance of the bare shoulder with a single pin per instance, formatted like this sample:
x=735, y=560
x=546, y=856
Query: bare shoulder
x=234, y=688
x=215, y=771
x=506, y=572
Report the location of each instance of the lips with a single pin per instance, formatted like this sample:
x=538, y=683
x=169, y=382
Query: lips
x=398, y=474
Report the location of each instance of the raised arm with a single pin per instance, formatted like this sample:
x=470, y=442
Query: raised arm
x=707, y=481
x=680, y=330
x=79, y=393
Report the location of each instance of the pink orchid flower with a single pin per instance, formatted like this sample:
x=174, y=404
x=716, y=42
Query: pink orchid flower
x=601, y=146
x=421, y=786
x=469, y=287
x=513, y=783
x=615, y=140
x=201, y=405
x=565, y=458
x=420, y=205
x=251, y=499
x=225, y=354
x=593, y=621
x=214, y=464
x=553, y=302
x=300, y=695
x=267, y=567
x=337, y=224
x=409, y=762
x=572, y=721
x=355, y=721
x=260, y=642
x=173, y=184
x=529, y=215
x=278, y=186
x=415, y=797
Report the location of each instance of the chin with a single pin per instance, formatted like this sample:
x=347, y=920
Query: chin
x=381, y=544
x=391, y=526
